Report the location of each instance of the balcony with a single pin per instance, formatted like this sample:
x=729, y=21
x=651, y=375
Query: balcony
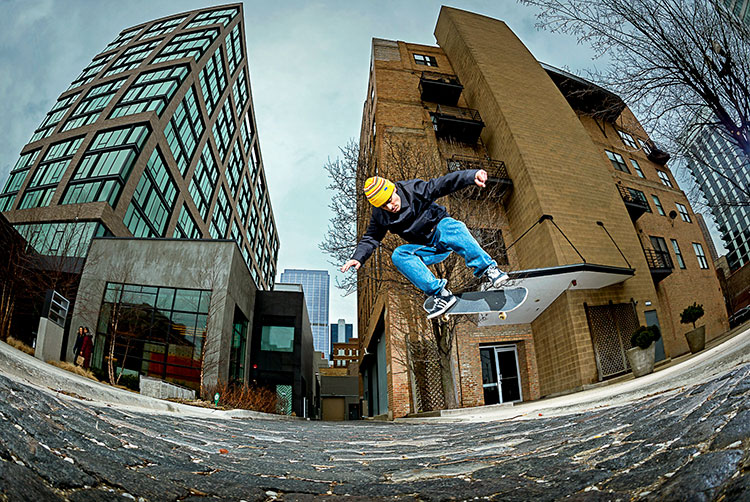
x=657, y=155
x=440, y=88
x=635, y=202
x=659, y=263
x=498, y=183
x=460, y=124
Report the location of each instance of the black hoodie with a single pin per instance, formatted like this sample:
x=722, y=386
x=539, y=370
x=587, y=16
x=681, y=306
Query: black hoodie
x=419, y=214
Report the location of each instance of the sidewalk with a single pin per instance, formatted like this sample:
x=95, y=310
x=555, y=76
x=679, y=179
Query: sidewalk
x=721, y=355
x=21, y=366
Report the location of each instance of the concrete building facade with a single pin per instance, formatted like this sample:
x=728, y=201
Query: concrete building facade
x=583, y=194
x=155, y=138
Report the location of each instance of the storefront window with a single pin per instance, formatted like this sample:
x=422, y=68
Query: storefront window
x=156, y=331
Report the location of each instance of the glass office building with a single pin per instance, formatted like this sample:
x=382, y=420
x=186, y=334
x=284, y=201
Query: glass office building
x=341, y=332
x=719, y=169
x=316, y=286
x=155, y=138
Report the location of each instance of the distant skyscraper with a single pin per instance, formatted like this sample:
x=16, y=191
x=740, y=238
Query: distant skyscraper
x=155, y=138
x=316, y=286
x=341, y=332
x=740, y=8
x=716, y=158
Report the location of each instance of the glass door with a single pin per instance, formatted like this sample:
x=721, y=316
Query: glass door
x=489, y=375
x=510, y=381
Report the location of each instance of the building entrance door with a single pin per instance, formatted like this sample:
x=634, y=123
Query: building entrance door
x=500, y=376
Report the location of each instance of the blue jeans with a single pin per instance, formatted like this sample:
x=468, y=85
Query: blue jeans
x=450, y=235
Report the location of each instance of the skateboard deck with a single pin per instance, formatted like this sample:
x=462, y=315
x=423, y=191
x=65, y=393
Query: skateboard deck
x=483, y=302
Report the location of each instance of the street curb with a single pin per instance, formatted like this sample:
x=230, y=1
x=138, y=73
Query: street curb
x=697, y=369
x=19, y=365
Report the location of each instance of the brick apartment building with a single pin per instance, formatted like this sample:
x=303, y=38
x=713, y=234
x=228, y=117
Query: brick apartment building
x=601, y=234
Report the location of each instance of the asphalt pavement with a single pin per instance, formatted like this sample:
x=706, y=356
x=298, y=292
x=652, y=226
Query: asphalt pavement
x=682, y=433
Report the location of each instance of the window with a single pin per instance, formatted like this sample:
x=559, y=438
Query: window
x=88, y=73
x=637, y=168
x=151, y=91
x=701, y=255
x=61, y=239
x=638, y=196
x=246, y=132
x=187, y=45
x=240, y=92
x=223, y=129
x=421, y=59
x=644, y=146
x=152, y=203
x=213, y=17
x=54, y=117
x=186, y=227
x=277, y=338
x=43, y=183
x=678, y=253
x=627, y=139
x=184, y=131
x=664, y=177
x=167, y=327
x=237, y=234
x=90, y=107
x=657, y=203
x=162, y=27
x=617, y=161
x=234, y=169
x=213, y=81
x=220, y=218
x=132, y=57
x=683, y=212
x=234, y=49
x=124, y=38
x=106, y=165
x=204, y=181
x=16, y=179
x=237, y=349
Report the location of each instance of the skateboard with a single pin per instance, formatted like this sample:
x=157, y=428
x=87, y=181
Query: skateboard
x=483, y=302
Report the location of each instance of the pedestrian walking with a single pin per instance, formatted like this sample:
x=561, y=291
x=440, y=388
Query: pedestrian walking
x=87, y=347
x=77, y=347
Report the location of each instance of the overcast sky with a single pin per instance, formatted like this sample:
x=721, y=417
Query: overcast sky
x=308, y=63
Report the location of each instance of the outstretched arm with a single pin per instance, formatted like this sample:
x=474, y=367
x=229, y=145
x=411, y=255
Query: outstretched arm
x=452, y=182
x=369, y=242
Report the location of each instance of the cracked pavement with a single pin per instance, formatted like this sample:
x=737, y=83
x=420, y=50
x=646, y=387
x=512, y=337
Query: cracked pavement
x=691, y=443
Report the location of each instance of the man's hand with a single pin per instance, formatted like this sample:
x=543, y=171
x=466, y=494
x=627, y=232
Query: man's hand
x=480, y=178
x=350, y=264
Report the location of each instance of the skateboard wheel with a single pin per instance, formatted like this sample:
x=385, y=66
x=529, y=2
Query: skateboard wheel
x=445, y=318
x=502, y=315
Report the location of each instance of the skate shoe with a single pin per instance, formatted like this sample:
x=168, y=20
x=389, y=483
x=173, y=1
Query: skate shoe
x=494, y=278
x=442, y=302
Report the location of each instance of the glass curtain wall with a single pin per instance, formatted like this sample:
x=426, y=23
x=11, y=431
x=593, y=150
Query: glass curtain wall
x=156, y=331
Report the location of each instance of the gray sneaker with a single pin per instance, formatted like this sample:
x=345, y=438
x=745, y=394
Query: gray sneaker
x=494, y=278
x=441, y=303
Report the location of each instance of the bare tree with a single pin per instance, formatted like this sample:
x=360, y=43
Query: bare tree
x=403, y=159
x=681, y=63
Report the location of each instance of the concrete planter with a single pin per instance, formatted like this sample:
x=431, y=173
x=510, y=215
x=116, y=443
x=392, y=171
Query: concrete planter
x=696, y=339
x=641, y=360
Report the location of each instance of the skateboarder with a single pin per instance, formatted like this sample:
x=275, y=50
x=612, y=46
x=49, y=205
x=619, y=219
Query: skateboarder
x=407, y=208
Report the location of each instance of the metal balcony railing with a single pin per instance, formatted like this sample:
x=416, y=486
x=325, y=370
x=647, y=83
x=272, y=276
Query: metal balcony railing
x=499, y=183
x=659, y=263
x=635, y=201
x=439, y=88
x=461, y=124
x=657, y=155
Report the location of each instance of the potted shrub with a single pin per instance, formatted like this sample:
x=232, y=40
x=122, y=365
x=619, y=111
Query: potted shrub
x=696, y=337
x=642, y=355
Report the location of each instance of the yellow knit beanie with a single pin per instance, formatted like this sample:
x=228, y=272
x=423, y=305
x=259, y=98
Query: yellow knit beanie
x=378, y=190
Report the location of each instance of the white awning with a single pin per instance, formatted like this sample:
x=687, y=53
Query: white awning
x=546, y=284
